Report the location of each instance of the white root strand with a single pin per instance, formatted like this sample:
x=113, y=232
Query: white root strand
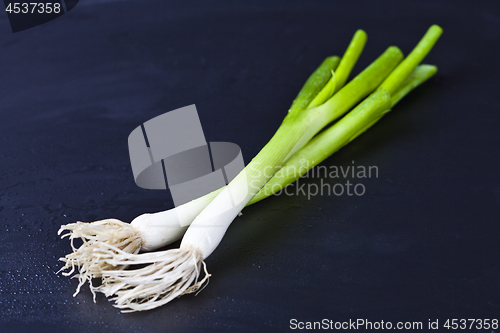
x=99, y=239
x=170, y=274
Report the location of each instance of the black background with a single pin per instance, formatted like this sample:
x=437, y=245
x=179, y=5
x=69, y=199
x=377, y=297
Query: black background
x=422, y=243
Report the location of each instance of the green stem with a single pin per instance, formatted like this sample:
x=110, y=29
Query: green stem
x=362, y=85
x=345, y=130
x=347, y=97
x=325, y=93
x=350, y=57
x=394, y=81
x=421, y=74
x=314, y=84
x=345, y=67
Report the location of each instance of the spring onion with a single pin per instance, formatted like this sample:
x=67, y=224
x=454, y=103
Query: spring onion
x=176, y=272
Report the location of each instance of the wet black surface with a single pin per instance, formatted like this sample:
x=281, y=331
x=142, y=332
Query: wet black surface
x=422, y=243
